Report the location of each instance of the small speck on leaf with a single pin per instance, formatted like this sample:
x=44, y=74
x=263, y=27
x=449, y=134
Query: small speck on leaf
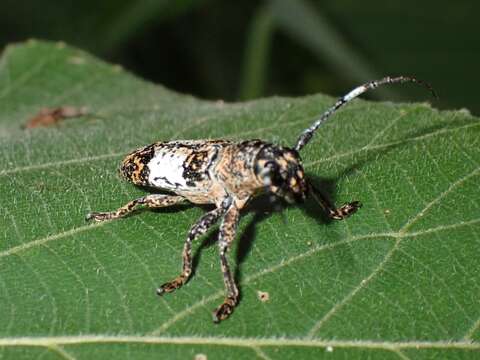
x=200, y=357
x=329, y=349
x=263, y=296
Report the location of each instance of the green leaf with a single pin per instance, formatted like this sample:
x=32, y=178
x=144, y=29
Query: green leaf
x=399, y=279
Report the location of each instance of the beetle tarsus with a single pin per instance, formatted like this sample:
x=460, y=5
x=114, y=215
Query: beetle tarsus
x=98, y=216
x=171, y=286
x=345, y=210
x=224, y=310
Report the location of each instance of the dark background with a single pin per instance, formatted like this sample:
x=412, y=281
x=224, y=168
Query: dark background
x=236, y=50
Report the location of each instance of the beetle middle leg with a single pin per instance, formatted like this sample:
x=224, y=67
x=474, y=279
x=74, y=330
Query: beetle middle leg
x=200, y=228
x=225, y=239
x=150, y=201
x=332, y=212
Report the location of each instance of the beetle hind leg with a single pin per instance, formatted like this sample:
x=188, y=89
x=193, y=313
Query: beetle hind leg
x=226, y=237
x=151, y=201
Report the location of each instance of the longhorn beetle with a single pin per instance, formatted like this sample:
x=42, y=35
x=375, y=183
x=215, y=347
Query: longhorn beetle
x=227, y=174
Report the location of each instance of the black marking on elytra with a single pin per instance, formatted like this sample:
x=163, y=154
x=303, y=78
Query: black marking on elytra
x=163, y=178
x=194, y=167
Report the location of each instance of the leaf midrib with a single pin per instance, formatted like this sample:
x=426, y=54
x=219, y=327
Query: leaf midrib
x=49, y=341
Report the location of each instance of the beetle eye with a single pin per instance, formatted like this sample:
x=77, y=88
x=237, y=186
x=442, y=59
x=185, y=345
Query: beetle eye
x=274, y=173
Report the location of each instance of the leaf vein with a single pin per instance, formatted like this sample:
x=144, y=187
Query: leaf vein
x=235, y=341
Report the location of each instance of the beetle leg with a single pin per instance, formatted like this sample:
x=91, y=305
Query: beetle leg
x=150, y=201
x=200, y=228
x=225, y=239
x=332, y=212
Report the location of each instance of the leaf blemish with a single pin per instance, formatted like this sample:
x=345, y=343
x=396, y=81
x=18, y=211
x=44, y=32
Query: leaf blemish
x=263, y=296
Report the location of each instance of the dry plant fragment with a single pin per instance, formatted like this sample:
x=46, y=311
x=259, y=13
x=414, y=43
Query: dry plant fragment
x=51, y=116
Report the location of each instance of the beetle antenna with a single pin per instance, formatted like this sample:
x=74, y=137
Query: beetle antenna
x=305, y=136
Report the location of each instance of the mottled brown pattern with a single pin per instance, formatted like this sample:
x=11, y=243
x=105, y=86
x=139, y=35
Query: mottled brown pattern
x=195, y=166
x=134, y=167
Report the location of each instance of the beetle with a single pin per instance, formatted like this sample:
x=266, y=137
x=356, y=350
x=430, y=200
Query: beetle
x=227, y=174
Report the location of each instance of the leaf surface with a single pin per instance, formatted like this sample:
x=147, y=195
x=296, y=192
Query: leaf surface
x=400, y=278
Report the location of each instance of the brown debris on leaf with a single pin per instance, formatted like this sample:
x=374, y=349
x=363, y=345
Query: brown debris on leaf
x=263, y=296
x=52, y=116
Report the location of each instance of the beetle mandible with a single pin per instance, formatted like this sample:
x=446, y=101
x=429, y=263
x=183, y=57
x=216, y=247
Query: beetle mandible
x=227, y=174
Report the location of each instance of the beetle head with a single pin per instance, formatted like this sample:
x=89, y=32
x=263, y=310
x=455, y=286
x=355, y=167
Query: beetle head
x=281, y=172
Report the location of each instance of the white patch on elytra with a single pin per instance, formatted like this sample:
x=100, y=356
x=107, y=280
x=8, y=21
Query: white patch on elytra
x=166, y=170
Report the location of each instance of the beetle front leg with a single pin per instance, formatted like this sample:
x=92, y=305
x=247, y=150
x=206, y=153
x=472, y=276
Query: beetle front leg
x=332, y=212
x=150, y=201
x=226, y=237
x=200, y=228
